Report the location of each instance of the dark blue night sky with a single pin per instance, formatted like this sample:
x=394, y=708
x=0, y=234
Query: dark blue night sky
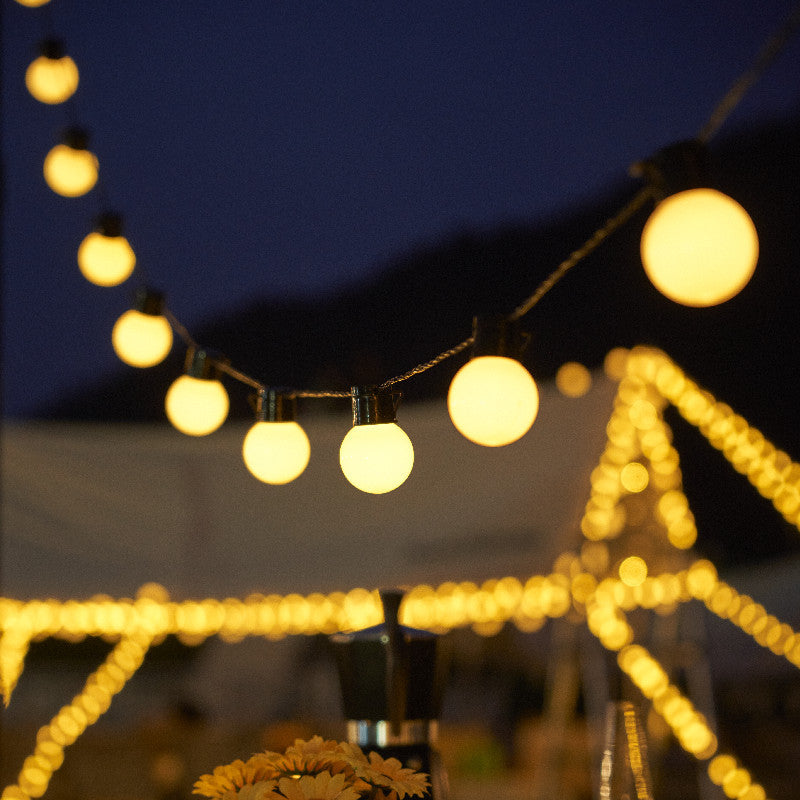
x=274, y=150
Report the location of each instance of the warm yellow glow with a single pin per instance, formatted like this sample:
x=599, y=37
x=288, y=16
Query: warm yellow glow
x=196, y=406
x=615, y=362
x=276, y=452
x=52, y=80
x=699, y=247
x=141, y=340
x=376, y=458
x=70, y=171
x=493, y=400
x=105, y=260
x=633, y=571
x=33, y=3
x=634, y=477
x=573, y=379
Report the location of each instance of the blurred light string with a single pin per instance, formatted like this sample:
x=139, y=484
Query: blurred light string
x=769, y=53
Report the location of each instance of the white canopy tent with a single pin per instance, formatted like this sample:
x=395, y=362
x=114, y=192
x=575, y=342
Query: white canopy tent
x=98, y=508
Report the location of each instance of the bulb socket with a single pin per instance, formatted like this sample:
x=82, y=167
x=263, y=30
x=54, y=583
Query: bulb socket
x=272, y=405
x=52, y=48
x=372, y=406
x=148, y=301
x=496, y=335
x=109, y=223
x=676, y=168
x=76, y=138
x=201, y=364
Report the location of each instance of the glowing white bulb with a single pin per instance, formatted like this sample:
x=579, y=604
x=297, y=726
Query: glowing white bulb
x=52, y=80
x=141, y=340
x=70, y=171
x=376, y=457
x=493, y=400
x=276, y=452
x=699, y=247
x=196, y=406
x=106, y=260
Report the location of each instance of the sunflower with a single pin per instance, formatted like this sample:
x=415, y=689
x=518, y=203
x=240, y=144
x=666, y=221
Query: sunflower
x=322, y=786
x=389, y=773
x=229, y=778
x=317, y=769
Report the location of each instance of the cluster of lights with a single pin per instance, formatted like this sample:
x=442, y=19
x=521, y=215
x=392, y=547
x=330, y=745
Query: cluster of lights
x=689, y=726
x=699, y=248
x=637, y=429
x=744, y=612
x=734, y=780
x=771, y=471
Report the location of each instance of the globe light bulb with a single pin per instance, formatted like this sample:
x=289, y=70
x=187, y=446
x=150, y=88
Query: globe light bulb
x=493, y=400
x=699, y=247
x=105, y=257
x=52, y=78
x=197, y=404
x=142, y=336
x=70, y=169
x=376, y=455
x=33, y=3
x=276, y=449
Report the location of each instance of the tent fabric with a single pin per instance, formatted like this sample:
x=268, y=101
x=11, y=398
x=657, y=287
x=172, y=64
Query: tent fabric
x=105, y=508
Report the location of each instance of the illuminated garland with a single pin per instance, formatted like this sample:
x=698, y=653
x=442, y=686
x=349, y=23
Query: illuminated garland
x=589, y=583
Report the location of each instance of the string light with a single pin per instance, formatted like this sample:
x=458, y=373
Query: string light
x=376, y=455
x=276, y=449
x=197, y=402
x=70, y=168
x=142, y=336
x=493, y=400
x=52, y=78
x=105, y=256
x=699, y=247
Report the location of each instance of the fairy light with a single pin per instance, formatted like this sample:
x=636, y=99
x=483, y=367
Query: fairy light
x=70, y=168
x=52, y=78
